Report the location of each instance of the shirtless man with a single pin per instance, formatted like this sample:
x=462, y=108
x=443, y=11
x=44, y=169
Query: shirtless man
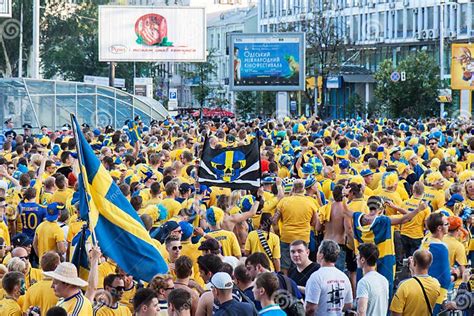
x=338, y=226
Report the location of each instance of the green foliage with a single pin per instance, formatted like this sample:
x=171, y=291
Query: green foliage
x=203, y=74
x=70, y=44
x=9, y=44
x=355, y=106
x=246, y=103
x=417, y=95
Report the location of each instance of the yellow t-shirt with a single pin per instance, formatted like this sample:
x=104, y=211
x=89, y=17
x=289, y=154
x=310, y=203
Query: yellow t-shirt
x=358, y=205
x=76, y=305
x=296, y=214
x=48, y=235
x=4, y=233
x=435, y=198
x=151, y=210
x=10, y=307
x=127, y=297
x=104, y=310
x=409, y=298
x=172, y=206
x=392, y=196
x=40, y=294
x=191, y=250
x=105, y=268
x=457, y=254
x=415, y=228
x=61, y=196
x=33, y=276
x=253, y=244
x=228, y=240
x=215, y=192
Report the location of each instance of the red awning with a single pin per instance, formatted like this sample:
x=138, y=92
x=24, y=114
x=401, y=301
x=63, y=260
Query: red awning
x=214, y=113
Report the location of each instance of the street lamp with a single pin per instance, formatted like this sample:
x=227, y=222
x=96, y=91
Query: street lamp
x=441, y=49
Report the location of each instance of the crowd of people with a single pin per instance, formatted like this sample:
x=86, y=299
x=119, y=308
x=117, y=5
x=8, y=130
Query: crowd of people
x=362, y=217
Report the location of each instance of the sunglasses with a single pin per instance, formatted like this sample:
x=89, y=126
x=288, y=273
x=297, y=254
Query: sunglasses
x=11, y=167
x=174, y=248
x=23, y=258
x=119, y=288
x=169, y=289
x=431, y=144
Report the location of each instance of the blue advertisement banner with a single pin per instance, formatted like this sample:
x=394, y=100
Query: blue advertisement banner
x=267, y=62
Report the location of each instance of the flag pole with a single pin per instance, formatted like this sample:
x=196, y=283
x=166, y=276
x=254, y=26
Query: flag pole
x=79, y=159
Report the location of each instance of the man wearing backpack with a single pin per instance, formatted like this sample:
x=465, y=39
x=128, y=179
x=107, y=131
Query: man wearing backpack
x=258, y=263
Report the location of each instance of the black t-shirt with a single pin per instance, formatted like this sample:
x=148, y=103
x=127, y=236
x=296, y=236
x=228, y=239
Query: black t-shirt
x=302, y=277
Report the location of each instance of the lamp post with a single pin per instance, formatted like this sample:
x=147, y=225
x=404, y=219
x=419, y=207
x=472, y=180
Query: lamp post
x=441, y=50
x=36, y=35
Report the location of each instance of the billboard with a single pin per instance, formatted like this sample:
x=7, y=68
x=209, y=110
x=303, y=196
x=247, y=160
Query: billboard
x=267, y=62
x=5, y=8
x=462, y=67
x=152, y=34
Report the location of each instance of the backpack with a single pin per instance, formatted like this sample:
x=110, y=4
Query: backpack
x=286, y=298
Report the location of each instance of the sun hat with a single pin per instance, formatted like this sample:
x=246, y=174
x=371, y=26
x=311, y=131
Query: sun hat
x=66, y=272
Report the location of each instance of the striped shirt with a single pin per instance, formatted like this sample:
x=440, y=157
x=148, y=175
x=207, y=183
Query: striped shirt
x=76, y=305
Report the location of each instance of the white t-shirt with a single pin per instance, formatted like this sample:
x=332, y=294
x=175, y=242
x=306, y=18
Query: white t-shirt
x=330, y=289
x=374, y=286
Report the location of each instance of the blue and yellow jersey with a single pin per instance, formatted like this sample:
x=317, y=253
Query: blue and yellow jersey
x=380, y=233
x=76, y=305
x=30, y=215
x=440, y=268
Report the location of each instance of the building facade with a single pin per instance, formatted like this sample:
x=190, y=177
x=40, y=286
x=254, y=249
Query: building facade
x=375, y=30
x=219, y=27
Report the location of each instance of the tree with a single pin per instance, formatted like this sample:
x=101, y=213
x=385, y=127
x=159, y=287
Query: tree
x=202, y=74
x=69, y=38
x=414, y=97
x=246, y=103
x=355, y=106
x=10, y=38
x=324, y=46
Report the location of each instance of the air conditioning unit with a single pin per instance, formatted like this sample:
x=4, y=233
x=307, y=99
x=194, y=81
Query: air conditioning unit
x=452, y=34
x=417, y=35
x=392, y=5
x=347, y=40
x=302, y=16
x=371, y=4
x=393, y=13
x=379, y=39
x=424, y=34
x=415, y=10
x=433, y=33
x=406, y=3
x=288, y=12
x=454, y=6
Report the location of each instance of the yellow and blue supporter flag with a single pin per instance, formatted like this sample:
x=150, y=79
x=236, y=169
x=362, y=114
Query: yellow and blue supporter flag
x=134, y=134
x=118, y=228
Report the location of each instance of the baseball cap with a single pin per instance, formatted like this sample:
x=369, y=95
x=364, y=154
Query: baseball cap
x=209, y=244
x=455, y=198
x=455, y=222
x=222, y=281
x=344, y=164
x=52, y=211
x=21, y=240
x=184, y=187
x=187, y=230
x=309, y=182
x=366, y=172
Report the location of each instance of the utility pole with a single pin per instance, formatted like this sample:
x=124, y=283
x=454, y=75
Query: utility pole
x=20, y=49
x=36, y=35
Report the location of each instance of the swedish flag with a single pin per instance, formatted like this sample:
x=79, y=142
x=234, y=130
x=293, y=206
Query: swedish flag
x=133, y=132
x=117, y=226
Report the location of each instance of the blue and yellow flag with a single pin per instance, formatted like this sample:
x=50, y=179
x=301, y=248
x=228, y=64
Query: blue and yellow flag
x=80, y=257
x=117, y=226
x=133, y=132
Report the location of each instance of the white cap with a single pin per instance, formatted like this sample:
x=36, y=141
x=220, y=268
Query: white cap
x=222, y=281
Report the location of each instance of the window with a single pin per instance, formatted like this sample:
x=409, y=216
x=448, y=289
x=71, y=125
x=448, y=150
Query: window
x=399, y=16
x=218, y=41
x=211, y=42
x=409, y=22
x=463, y=16
x=430, y=17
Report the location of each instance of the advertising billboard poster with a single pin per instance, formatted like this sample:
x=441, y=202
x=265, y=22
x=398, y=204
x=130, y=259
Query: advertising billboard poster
x=5, y=8
x=153, y=34
x=462, y=67
x=267, y=62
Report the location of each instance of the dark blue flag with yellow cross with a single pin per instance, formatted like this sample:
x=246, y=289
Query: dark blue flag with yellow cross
x=231, y=167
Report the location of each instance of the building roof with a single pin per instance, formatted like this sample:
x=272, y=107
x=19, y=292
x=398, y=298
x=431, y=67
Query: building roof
x=235, y=16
